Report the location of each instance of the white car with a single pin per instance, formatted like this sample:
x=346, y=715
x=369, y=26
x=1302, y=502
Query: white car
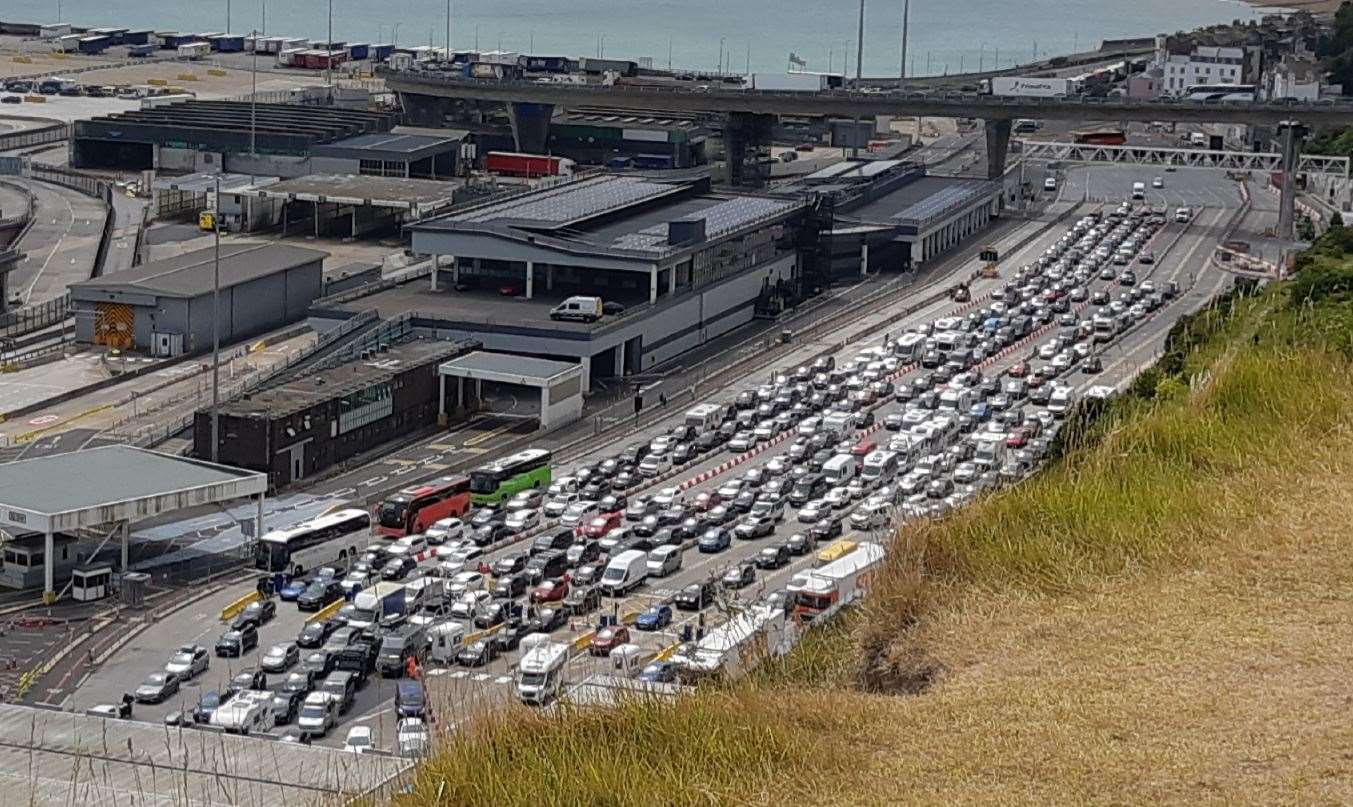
x=418, y=542
x=522, y=520
x=656, y=463
x=814, y=510
x=837, y=497
x=445, y=530
x=469, y=604
x=466, y=581
x=1157, y=182
x=966, y=473
x=763, y=432
x=667, y=497
x=777, y=467
x=359, y=740
x=1062, y=361
x=458, y=557
x=556, y=506
x=731, y=488
x=857, y=487
x=1050, y=183
x=1047, y=351
x=578, y=514
x=742, y=441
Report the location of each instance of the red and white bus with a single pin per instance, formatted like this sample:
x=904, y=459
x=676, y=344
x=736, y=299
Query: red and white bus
x=414, y=509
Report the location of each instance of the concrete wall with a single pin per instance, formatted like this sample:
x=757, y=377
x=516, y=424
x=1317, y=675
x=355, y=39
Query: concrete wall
x=268, y=165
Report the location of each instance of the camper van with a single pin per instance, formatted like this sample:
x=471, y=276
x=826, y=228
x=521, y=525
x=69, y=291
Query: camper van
x=541, y=670
x=578, y=309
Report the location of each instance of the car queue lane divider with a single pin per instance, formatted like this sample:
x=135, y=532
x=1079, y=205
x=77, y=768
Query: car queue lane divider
x=229, y=612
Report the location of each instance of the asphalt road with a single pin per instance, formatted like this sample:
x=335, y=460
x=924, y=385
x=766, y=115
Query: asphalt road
x=1185, y=261
x=62, y=243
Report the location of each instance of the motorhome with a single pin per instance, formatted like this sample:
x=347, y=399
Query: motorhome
x=819, y=593
x=541, y=670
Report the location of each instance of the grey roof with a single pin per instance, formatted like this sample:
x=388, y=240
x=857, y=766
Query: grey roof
x=96, y=478
x=721, y=217
x=377, y=191
x=567, y=204
x=506, y=364
x=923, y=201
x=190, y=274
x=186, y=767
x=389, y=146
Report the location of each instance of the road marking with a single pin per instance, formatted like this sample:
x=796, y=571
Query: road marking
x=461, y=674
x=372, y=482
x=404, y=469
x=479, y=438
x=503, y=679
x=482, y=676
x=343, y=493
x=474, y=451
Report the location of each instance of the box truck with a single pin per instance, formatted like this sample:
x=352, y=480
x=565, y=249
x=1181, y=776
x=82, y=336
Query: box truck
x=1032, y=87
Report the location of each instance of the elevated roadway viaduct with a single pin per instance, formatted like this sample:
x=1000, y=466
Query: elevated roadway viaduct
x=426, y=96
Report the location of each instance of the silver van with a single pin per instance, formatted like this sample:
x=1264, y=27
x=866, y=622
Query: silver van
x=664, y=560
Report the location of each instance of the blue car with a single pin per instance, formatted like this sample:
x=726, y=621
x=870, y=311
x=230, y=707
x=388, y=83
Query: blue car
x=714, y=540
x=980, y=411
x=655, y=618
x=293, y=589
x=659, y=672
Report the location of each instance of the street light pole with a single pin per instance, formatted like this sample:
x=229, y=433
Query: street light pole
x=253, y=101
x=906, y=13
x=859, y=48
x=227, y=30
x=448, y=30
x=329, y=52
x=216, y=328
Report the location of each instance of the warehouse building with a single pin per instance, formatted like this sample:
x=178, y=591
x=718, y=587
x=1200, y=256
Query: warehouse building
x=321, y=417
x=676, y=264
x=648, y=141
x=278, y=140
x=166, y=307
x=893, y=215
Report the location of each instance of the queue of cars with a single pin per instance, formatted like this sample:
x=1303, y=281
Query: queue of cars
x=951, y=432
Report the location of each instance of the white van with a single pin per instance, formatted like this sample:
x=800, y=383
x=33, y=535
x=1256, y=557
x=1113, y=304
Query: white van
x=958, y=401
x=706, y=417
x=540, y=672
x=580, y=309
x=1060, y=402
x=1139, y=190
x=664, y=560
x=909, y=346
x=840, y=469
x=626, y=572
x=880, y=466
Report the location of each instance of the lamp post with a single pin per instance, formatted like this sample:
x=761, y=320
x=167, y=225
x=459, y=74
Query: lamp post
x=216, y=328
x=448, y=30
x=859, y=48
x=906, y=13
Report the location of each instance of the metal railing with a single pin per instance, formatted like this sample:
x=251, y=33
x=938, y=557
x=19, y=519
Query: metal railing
x=35, y=317
x=35, y=137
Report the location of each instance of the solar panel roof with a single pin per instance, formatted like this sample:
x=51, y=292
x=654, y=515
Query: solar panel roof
x=572, y=202
x=721, y=218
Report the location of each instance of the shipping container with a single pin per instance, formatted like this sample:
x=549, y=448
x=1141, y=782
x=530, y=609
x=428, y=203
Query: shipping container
x=358, y=51
x=499, y=57
x=54, y=30
x=547, y=64
x=653, y=162
x=381, y=52
x=139, y=51
x=194, y=50
x=67, y=43
x=290, y=57
x=1032, y=87
x=227, y=43
x=165, y=100
x=114, y=35
x=793, y=82
x=94, y=44
x=517, y=164
x=590, y=64
x=143, y=36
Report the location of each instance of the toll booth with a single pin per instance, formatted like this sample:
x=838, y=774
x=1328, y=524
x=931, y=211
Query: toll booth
x=134, y=585
x=93, y=582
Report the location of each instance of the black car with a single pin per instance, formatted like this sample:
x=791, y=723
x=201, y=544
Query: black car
x=510, y=635
x=316, y=634
x=509, y=565
x=477, y=653
x=319, y=594
x=826, y=529
x=256, y=613
x=319, y=663
x=546, y=565
x=510, y=586
x=695, y=596
x=285, y=705
x=773, y=557
x=491, y=614
x=398, y=569
x=206, y=707
x=800, y=544
x=237, y=642
x=247, y=678
x=582, y=599
x=561, y=538
x=582, y=554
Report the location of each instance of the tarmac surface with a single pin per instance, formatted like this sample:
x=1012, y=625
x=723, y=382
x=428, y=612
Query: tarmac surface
x=61, y=244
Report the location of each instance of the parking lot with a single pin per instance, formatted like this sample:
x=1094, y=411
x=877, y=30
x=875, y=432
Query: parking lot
x=1179, y=250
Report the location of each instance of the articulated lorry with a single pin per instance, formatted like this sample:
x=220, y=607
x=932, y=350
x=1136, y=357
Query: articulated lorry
x=377, y=603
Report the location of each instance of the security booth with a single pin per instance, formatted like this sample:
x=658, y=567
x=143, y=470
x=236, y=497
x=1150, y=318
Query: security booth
x=93, y=582
x=556, y=384
x=133, y=589
x=26, y=557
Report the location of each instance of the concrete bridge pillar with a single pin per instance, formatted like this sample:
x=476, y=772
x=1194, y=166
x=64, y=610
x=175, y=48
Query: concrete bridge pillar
x=1291, y=134
x=998, y=145
x=530, y=126
x=744, y=134
x=424, y=110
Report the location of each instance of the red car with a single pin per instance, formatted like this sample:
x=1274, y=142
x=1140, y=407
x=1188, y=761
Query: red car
x=1017, y=439
x=550, y=591
x=708, y=500
x=602, y=524
x=608, y=639
x=1019, y=370
x=509, y=289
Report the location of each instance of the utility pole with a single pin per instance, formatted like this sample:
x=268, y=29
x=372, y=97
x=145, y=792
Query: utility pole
x=448, y=30
x=216, y=328
x=253, y=101
x=859, y=48
x=329, y=52
x=227, y=30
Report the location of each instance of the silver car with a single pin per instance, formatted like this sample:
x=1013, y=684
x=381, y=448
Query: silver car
x=190, y=661
x=280, y=657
